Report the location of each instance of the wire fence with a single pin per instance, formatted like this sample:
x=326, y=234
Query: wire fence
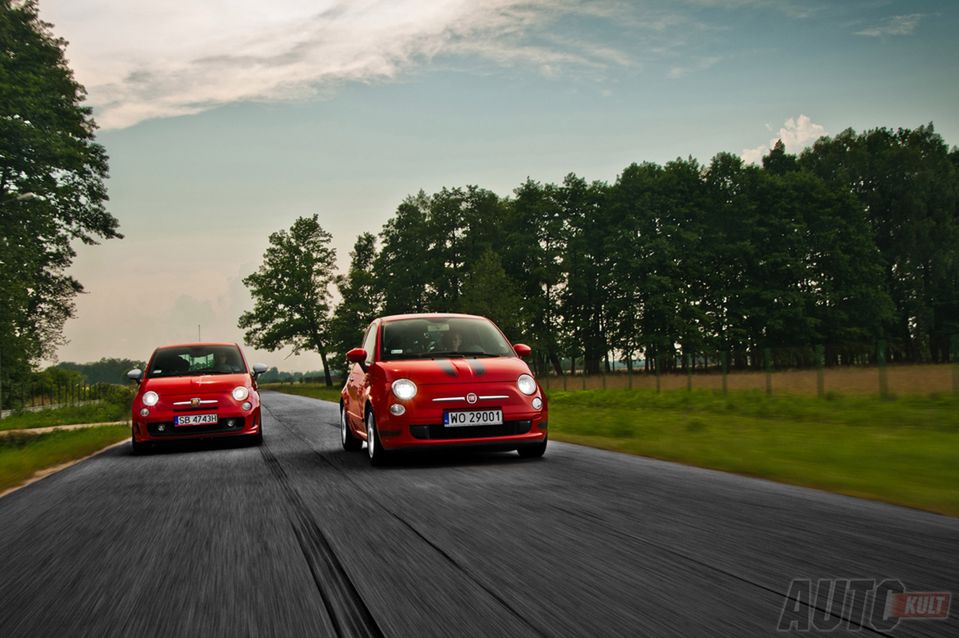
x=26, y=396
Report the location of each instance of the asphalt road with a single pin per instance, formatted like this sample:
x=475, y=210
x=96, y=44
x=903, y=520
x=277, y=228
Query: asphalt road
x=301, y=538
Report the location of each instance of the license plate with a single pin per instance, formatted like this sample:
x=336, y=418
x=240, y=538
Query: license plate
x=472, y=417
x=195, y=419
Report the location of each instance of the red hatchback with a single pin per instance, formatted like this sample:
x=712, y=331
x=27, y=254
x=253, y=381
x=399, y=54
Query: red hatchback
x=196, y=390
x=431, y=380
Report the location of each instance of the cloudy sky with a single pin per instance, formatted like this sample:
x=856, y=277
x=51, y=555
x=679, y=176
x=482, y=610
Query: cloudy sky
x=227, y=119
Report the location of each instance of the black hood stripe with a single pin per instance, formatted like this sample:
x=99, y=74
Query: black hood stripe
x=448, y=368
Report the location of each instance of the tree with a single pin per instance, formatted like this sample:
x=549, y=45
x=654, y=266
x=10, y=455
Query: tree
x=52, y=188
x=106, y=370
x=908, y=182
x=400, y=266
x=585, y=260
x=778, y=162
x=291, y=292
x=488, y=291
x=530, y=244
x=359, y=299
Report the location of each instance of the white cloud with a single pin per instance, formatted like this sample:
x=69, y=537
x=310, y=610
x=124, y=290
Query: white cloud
x=896, y=25
x=796, y=134
x=141, y=59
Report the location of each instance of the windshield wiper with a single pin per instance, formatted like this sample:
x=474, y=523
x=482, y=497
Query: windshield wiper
x=462, y=353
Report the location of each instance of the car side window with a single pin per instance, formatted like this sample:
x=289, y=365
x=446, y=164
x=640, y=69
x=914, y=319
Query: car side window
x=369, y=343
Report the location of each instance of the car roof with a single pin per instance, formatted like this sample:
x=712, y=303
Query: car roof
x=198, y=344
x=430, y=315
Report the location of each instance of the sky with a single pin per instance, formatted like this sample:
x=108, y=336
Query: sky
x=225, y=120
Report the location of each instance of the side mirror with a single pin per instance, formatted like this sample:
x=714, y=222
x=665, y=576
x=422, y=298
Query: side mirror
x=356, y=355
x=135, y=374
x=258, y=369
x=522, y=350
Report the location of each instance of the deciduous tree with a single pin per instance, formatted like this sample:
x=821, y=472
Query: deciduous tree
x=291, y=292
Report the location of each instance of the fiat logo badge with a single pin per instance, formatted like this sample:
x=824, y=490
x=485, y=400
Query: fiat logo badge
x=471, y=398
x=195, y=401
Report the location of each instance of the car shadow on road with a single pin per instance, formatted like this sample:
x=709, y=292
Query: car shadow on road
x=434, y=459
x=191, y=446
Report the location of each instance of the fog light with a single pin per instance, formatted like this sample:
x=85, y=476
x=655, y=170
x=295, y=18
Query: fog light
x=397, y=410
x=161, y=427
x=144, y=412
x=537, y=403
x=246, y=405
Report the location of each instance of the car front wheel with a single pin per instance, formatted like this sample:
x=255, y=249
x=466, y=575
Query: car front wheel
x=533, y=451
x=374, y=448
x=137, y=447
x=349, y=440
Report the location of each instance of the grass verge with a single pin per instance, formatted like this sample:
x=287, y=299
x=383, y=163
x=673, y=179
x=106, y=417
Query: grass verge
x=312, y=390
x=101, y=412
x=901, y=451
x=22, y=455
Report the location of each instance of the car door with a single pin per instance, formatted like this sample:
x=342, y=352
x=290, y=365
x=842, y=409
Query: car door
x=358, y=382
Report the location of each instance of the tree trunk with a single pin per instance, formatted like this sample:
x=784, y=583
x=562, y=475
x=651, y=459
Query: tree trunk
x=326, y=370
x=557, y=364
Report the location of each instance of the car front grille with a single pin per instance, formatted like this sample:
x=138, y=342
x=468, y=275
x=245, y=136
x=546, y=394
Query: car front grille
x=166, y=428
x=440, y=432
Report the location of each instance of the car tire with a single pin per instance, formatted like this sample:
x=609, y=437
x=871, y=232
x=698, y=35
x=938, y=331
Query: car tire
x=138, y=448
x=374, y=449
x=257, y=439
x=533, y=451
x=349, y=440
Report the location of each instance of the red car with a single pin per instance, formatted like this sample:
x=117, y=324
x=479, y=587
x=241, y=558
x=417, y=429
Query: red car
x=432, y=380
x=196, y=390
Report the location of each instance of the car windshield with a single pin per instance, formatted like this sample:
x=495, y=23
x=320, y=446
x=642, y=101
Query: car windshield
x=425, y=338
x=188, y=361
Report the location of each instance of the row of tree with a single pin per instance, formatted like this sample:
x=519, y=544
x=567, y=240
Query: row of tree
x=853, y=241
x=106, y=370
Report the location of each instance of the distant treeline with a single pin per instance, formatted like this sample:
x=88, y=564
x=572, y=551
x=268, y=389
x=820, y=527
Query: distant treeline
x=855, y=240
x=115, y=371
x=103, y=371
x=274, y=375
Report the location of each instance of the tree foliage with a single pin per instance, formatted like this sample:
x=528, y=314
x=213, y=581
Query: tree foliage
x=291, y=292
x=106, y=370
x=853, y=241
x=52, y=189
x=359, y=299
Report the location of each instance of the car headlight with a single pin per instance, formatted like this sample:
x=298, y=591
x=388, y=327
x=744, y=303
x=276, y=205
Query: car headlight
x=240, y=393
x=526, y=384
x=404, y=389
x=150, y=398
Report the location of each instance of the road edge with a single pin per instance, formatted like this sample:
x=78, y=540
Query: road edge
x=39, y=475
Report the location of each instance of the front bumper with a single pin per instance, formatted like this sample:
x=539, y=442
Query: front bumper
x=421, y=426
x=159, y=426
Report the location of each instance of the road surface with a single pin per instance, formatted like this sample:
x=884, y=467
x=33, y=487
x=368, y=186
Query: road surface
x=299, y=538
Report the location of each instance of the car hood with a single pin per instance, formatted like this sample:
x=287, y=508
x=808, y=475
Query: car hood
x=445, y=371
x=204, y=383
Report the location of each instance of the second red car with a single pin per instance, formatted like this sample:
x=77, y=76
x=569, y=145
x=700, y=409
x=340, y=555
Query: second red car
x=196, y=390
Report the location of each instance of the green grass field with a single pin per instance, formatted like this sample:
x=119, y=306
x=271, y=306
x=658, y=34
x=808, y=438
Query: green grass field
x=312, y=390
x=902, y=451
x=101, y=412
x=21, y=455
